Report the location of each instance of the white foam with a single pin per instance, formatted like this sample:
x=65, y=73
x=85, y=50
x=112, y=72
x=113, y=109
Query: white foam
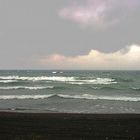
x=7, y=81
x=94, y=97
x=54, y=72
x=9, y=77
x=76, y=83
x=69, y=80
x=41, y=78
x=25, y=87
x=101, y=81
x=96, y=87
x=7, y=97
x=83, y=96
x=61, y=72
x=135, y=88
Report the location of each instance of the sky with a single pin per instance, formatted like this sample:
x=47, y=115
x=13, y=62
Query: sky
x=75, y=34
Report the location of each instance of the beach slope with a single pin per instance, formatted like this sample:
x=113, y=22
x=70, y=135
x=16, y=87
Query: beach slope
x=63, y=126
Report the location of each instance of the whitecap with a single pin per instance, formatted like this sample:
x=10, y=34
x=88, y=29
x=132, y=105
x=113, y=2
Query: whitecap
x=7, y=97
x=94, y=97
x=96, y=81
x=41, y=78
x=69, y=80
x=8, y=81
x=54, y=72
x=135, y=88
x=25, y=87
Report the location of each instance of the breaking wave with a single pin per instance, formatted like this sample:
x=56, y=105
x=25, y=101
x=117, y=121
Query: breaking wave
x=135, y=88
x=104, y=88
x=94, y=97
x=8, y=81
x=84, y=96
x=41, y=78
x=6, y=97
x=23, y=87
x=69, y=80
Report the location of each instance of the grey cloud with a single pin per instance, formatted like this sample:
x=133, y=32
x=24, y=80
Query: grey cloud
x=30, y=29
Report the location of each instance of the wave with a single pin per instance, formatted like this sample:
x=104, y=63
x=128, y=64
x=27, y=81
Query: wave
x=8, y=81
x=114, y=88
x=23, y=87
x=69, y=80
x=123, y=79
x=57, y=72
x=135, y=88
x=96, y=81
x=109, y=88
x=41, y=78
x=7, y=97
x=98, y=88
x=84, y=96
x=94, y=97
x=104, y=88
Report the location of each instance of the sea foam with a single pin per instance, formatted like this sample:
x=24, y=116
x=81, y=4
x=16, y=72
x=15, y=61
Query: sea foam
x=83, y=96
x=25, y=87
x=7, y=97
x=68, y=80
x=8, y=81
x=135, y=88
x=94, y=97
x=41, y=78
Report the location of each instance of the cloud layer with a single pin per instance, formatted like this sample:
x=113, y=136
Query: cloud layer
x=126, y=58
x=101, y=13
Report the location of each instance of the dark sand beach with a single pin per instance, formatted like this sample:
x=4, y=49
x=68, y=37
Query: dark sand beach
x=63, y=126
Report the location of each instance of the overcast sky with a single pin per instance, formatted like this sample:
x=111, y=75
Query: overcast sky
x=69, y=34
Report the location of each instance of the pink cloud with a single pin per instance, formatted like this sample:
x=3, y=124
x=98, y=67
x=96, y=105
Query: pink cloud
x=126, y=58
x=97, y=12
x=56, y=57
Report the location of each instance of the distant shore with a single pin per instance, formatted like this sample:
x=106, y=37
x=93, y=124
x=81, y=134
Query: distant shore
x=63, y=126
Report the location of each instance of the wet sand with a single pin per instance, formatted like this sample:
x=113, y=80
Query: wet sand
x=63, y=126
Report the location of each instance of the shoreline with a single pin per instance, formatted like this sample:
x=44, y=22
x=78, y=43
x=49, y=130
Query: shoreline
x=71, y=126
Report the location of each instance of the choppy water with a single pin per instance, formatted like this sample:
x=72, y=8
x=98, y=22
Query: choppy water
x=71, y=91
